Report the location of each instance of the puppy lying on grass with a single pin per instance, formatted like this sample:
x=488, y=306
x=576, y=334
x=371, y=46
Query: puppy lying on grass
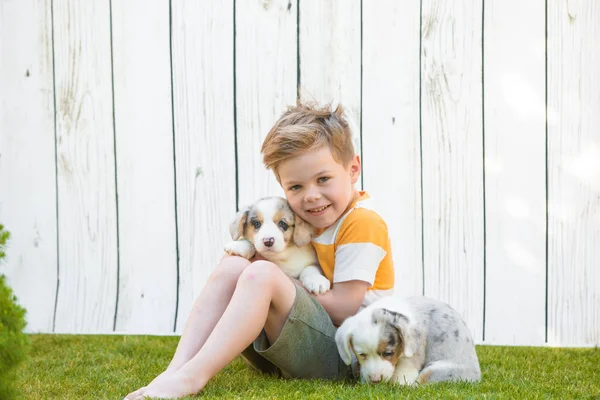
x=408, y=341
x=271, y=228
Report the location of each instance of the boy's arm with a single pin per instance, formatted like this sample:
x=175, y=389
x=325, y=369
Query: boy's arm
x=343, y=300
x=361, y=246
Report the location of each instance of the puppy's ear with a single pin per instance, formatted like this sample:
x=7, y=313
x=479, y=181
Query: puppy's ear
x=405, y=329
x=236, y=227
x=343, y=340
x=303, y=231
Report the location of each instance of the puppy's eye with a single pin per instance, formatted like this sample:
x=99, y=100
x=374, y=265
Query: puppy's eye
x=256, y=224
x=284, y=227
x=387, y=353
x=362, y=355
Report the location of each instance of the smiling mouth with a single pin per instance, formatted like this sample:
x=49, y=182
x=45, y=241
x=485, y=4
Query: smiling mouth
x=316, y=210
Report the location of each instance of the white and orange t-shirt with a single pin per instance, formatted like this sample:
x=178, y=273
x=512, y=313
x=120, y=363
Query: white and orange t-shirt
x=357, y=247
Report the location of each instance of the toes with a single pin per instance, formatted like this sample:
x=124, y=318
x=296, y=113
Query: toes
x=140, y=396
x=136, y=394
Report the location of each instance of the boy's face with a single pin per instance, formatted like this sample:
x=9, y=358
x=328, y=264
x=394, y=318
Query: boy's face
x=318, y=188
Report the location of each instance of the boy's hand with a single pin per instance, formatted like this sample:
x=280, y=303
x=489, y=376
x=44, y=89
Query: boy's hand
x=258, y=257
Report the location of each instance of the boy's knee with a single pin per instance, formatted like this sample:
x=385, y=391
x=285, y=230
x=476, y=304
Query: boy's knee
x=261, y=272
x=230, y=268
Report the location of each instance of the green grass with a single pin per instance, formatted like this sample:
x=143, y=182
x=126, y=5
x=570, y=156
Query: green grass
x=109, y=367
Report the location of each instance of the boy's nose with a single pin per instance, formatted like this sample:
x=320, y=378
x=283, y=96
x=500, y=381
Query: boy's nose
x=312, y=195
x=269, y=241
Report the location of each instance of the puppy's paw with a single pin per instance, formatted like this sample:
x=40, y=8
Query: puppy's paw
x=315, y=283
x=242, y=248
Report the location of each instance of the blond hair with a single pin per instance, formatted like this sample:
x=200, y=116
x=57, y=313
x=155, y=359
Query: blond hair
x=306, y=127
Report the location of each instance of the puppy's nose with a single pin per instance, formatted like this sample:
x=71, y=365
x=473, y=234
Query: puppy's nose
x=375, y=378
x=269, y=241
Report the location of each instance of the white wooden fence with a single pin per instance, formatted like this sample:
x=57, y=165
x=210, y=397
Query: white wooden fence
x=130, y=132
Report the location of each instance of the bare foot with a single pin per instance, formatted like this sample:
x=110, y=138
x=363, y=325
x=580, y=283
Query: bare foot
x=171, y=386
x=164, y=375
x=137, y=393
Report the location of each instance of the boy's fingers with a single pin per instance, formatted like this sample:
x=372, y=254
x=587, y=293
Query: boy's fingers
x=257, y=257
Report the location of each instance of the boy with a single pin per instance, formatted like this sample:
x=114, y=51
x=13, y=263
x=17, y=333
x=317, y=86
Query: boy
x=253, y=307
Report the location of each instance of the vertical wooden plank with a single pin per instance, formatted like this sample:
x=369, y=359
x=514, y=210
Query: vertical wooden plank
x=330, y=56
x=86, y=168
x=265, y=85
x=573, y=173
x=27, y=162
x=391, y=143
x=452, y=156
x=144, y=150
x=515, y=172
x=204, y=140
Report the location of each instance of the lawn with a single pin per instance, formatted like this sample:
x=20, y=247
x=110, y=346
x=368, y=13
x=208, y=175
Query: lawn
x=108, y=367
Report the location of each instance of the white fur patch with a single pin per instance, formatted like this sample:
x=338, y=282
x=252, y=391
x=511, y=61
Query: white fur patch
x=242, y=248
x=405, y=373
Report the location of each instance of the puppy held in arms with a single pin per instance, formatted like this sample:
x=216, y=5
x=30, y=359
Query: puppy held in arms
x=409, y=341
x=271, y=228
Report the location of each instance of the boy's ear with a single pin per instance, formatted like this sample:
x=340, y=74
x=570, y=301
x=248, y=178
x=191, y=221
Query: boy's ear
x=236, y=227
x=303, y=231
x=355, y=169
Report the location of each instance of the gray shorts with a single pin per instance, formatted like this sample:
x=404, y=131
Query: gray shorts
x=305, y=348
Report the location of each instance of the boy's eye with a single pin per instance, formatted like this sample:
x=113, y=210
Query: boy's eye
x=284, y=227
x=256, y=224
x=295, y=187
x=323, y=179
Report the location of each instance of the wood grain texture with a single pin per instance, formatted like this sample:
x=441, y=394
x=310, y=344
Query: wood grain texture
x=145, y=178
x=330, y=56
x=515, y=172
x=573, y=173
x=204, y=140
x=265, y=74
x=87, y=215
x=27, y=165
x=235, y=68
x=452, y=156
x=391, y=144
